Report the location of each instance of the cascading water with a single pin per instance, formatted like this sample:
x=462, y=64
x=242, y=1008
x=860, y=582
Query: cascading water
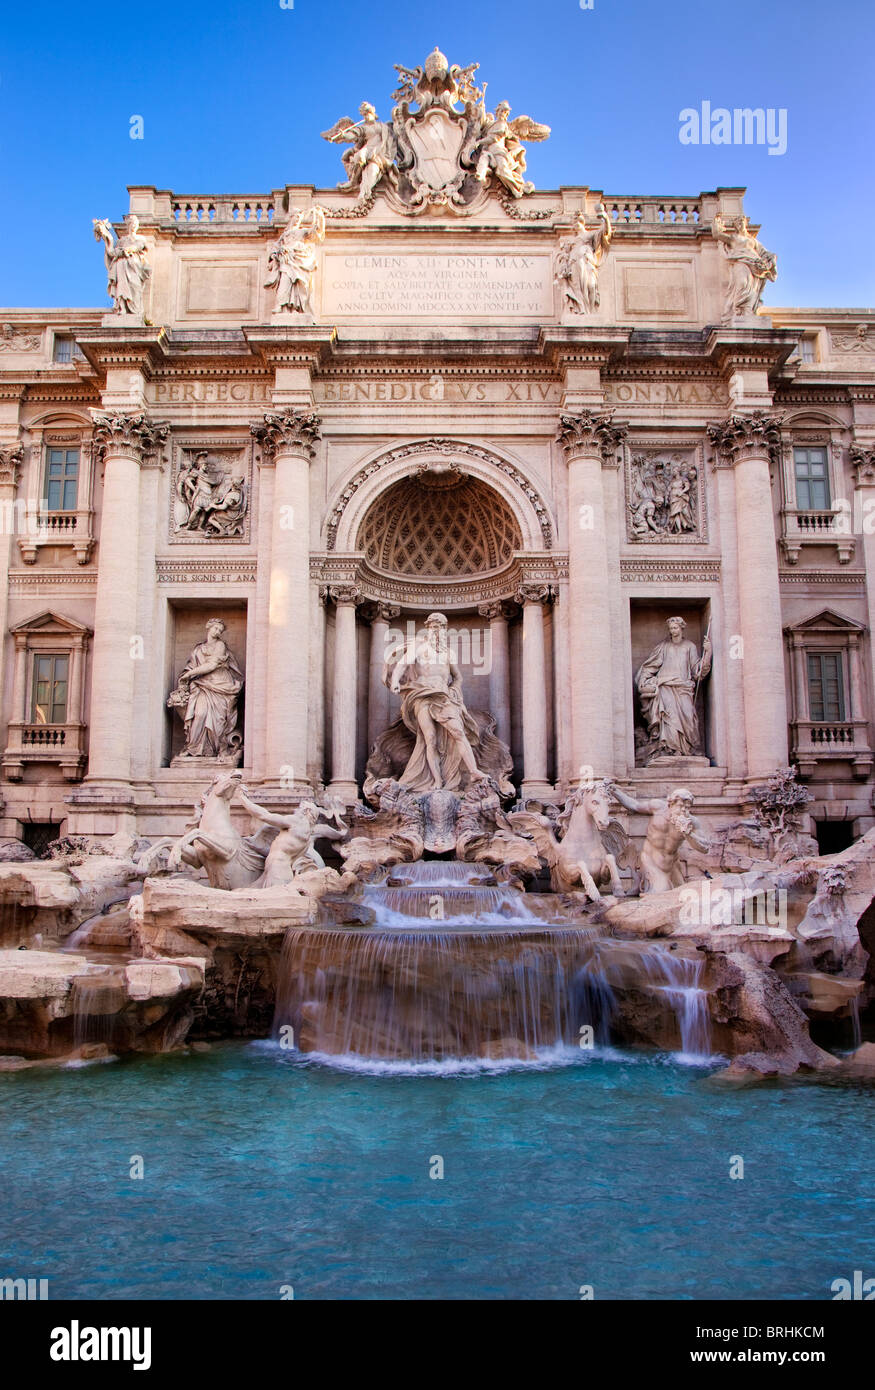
x=453, y=968
x=96, y=1001
x=680, y=979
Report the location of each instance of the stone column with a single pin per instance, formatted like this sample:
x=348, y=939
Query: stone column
x=380, y=616
x=120, y=440
x=863, y=463
x=11, y=457
x=21, y=711
x=745, y=443
x=499, y=667
x=288, y=440
x=590, y=441
x=800, y=677
x=344, y=700
x=532, y=597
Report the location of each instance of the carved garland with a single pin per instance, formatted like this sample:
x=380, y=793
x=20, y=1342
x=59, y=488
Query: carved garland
x=446, y=447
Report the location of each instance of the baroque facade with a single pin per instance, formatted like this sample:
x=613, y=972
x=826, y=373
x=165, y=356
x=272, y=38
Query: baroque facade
x=312, y=418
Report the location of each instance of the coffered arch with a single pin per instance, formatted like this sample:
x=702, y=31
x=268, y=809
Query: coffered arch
x=437, y=458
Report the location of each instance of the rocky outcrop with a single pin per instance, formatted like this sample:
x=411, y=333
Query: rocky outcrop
x=755, y=1020
x=50, y=1001
x=45, y=901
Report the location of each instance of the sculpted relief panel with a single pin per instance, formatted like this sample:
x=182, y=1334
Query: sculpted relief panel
x=210, y=488
x=665, y=495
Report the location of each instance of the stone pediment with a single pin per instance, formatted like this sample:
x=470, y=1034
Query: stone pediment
x=49, y=624
x=826, y=621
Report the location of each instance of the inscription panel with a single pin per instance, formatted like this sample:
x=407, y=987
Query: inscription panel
x=436, y=286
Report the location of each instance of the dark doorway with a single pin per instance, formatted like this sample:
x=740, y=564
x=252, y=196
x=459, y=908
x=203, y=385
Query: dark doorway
x=39, y=834
x=833, y=835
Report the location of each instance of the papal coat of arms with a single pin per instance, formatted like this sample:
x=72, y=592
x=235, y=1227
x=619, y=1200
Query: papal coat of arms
x=441, y=147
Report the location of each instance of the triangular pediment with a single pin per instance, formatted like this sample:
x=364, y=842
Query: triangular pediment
x=50, y=624
x=826, y=621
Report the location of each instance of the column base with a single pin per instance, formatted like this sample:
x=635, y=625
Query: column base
x=345, y=791
x=535, y=789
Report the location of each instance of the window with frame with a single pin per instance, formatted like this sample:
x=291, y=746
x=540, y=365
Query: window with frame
x=62, y=479
x=66, y=350
x=807, y=348
x=812, y=479
x=50, y=683
x=826, y=696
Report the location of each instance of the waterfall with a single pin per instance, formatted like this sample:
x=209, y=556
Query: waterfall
x=457, y=967
x=679, y=978
x=96, y=1001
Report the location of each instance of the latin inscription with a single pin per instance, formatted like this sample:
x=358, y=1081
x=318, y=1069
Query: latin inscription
x=443, y=286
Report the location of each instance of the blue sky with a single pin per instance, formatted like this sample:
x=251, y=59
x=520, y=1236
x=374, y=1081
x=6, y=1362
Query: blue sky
x=234, y=95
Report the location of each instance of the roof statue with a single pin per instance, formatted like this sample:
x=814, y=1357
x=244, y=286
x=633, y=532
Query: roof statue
x=442, y=146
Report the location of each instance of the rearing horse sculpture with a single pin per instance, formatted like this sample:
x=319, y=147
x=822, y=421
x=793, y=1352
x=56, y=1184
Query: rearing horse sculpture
x=213, y=844
x=586, y=854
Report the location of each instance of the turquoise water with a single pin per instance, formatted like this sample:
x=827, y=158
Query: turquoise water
x=264, y=1170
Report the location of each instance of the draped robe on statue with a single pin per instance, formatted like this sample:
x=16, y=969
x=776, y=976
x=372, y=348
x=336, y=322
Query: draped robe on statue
x=434, y=689
x=211, y=713
x=666, y=682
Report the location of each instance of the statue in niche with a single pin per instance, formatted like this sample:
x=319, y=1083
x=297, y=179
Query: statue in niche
x=750, y=266
x=213, y=502
x=671, y=824
x=373, y=152
x=293, y=259
x=662, y=497
x=579, y=259
x=127, y=265
x=291, y=853
x=432, y=709
x=206, y=698
x=668, y=682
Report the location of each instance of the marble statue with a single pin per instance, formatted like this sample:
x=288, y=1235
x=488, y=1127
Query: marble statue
x=213, y=502
x=430, y=686
x=372, y=157
x=206, y=697
x=291, y=852
x=585, y=853
x=499, y=150
x=441, y=148
x=293, y=259
x=667, y=683
x=211, y=842
x=750, y=266
x=579, y=259
x=127, y=265
x=671, y=824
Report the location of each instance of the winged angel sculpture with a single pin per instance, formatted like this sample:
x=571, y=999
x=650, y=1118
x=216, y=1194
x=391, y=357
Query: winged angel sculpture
x=448, y=150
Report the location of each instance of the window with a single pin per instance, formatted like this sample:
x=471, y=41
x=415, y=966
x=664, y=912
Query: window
x=50, y=672
x=39, y=834
x=62, y=479
x=807, y=350
x=66, y=350
x=812, y=480
x=826, y=699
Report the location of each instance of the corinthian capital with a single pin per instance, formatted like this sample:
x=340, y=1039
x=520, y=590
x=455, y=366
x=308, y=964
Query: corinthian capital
x=589, y=432
x=742, y=436
x=11, y=457
x=131, y=434
x=288, y=431
x=863, y=464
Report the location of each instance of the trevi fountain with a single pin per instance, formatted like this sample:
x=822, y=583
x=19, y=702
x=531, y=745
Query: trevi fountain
x=501, y=715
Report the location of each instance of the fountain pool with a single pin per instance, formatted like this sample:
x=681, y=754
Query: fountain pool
x=265, y=1168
